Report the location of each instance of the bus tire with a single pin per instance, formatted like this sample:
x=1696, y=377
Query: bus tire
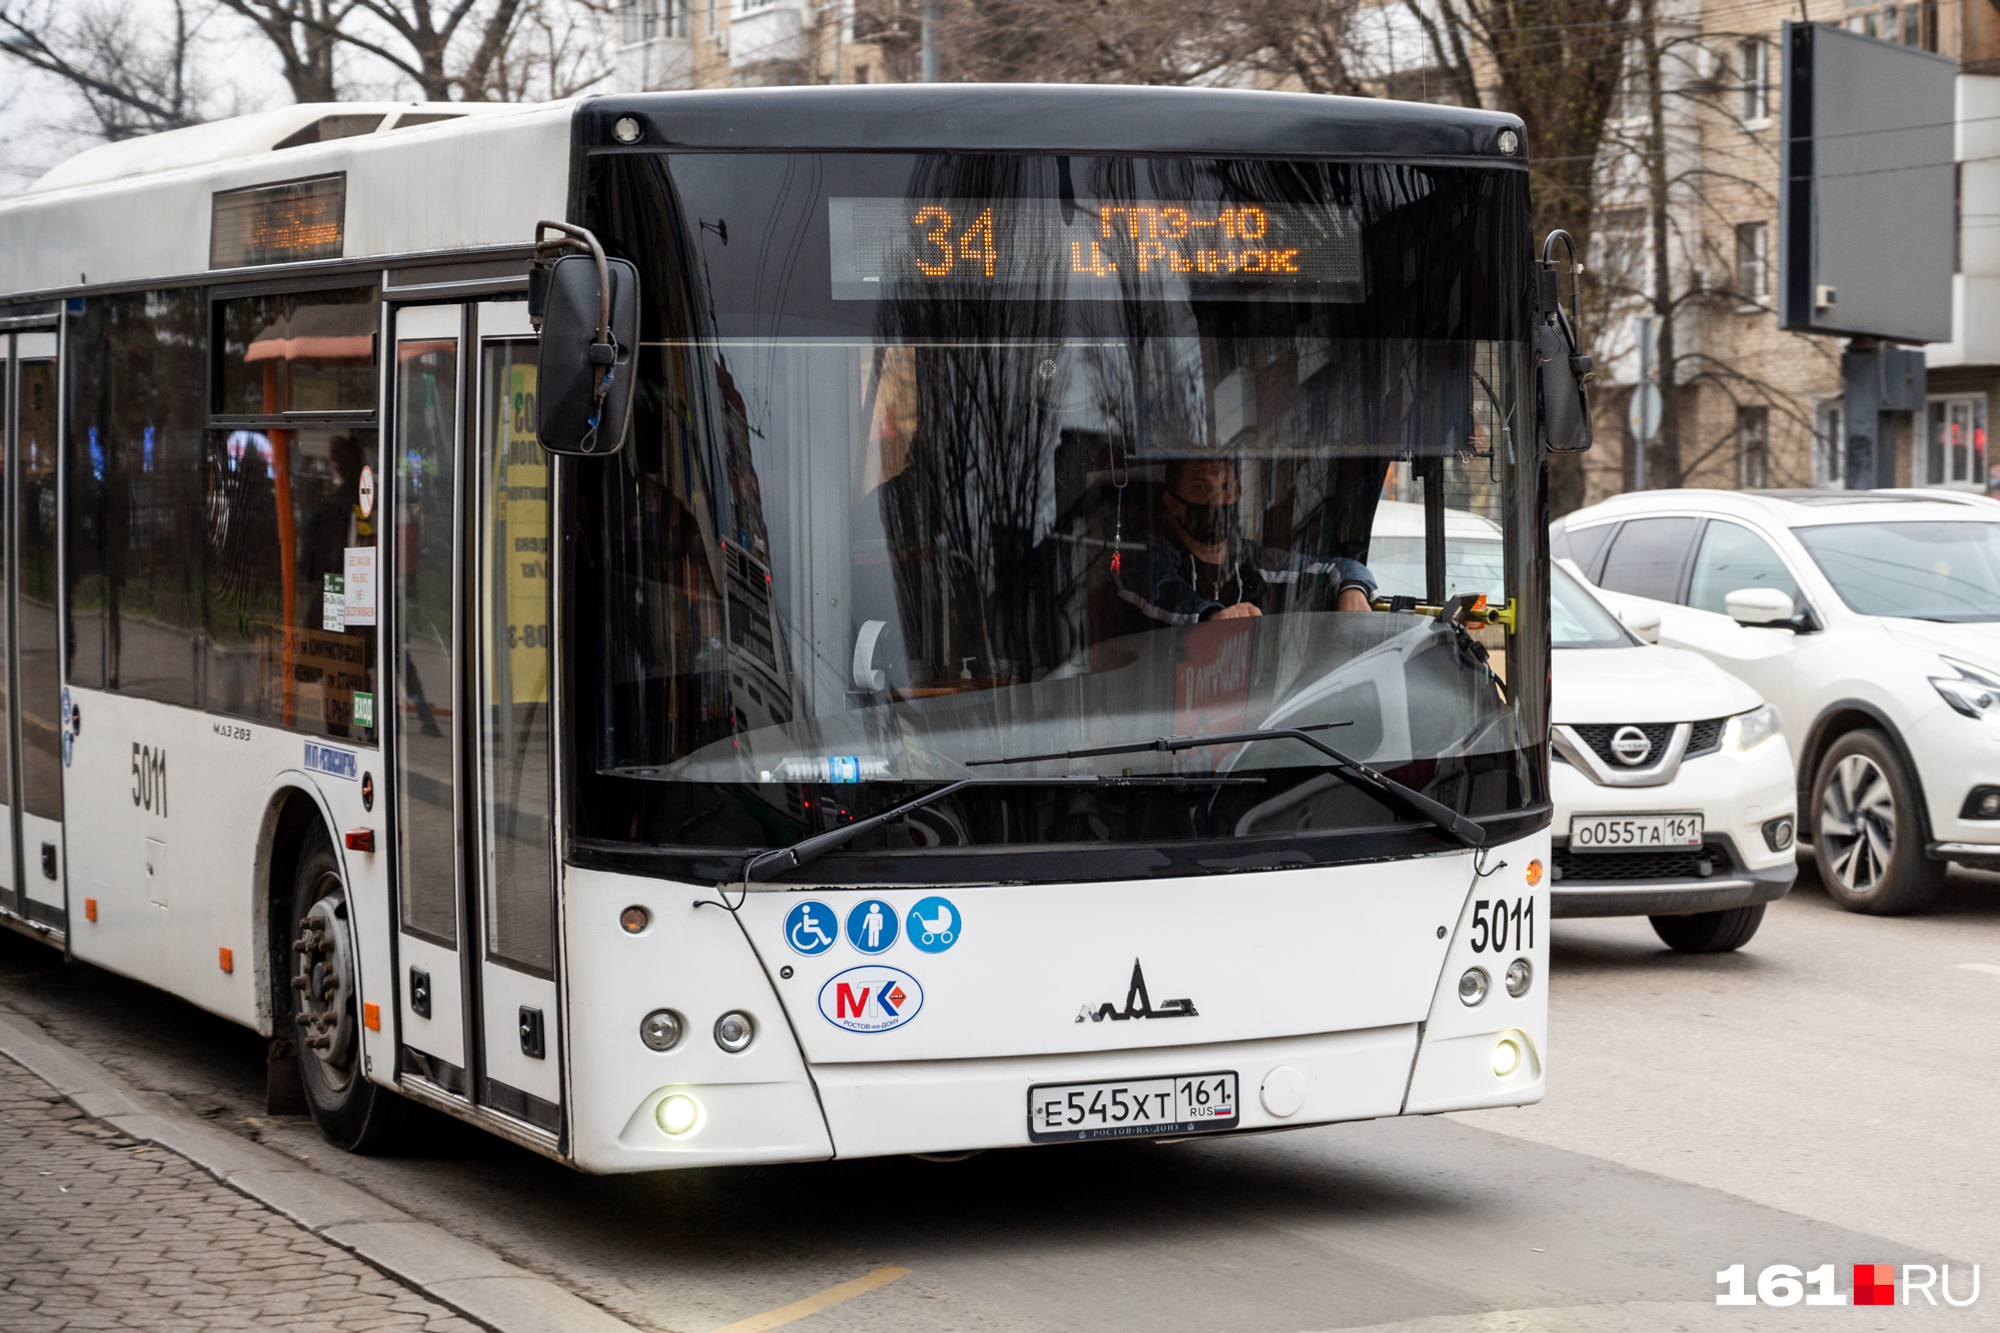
x=325, y=1019
x=1709, y=932
x=1868, y=832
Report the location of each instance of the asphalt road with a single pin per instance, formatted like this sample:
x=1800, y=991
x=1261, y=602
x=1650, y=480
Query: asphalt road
x=1826, y=1096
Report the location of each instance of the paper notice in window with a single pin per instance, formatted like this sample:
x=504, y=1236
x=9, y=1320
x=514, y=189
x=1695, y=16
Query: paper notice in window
x=360, y=586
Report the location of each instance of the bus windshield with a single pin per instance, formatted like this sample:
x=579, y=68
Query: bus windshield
x=939, y=459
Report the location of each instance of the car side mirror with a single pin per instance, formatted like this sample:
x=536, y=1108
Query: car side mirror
x=1644, y=623
x=1561, y=370
x=586, y=309
x=1761, y=608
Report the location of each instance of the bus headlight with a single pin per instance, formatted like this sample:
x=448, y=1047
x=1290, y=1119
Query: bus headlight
x=1472, y=986
x=1749, y=731
x=734, y=1030
x=1520, y=976
x=678, y=1114
x=660, y=1030
x=1506, y=1056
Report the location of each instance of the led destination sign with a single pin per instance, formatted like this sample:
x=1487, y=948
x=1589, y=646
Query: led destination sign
x=1040, y=249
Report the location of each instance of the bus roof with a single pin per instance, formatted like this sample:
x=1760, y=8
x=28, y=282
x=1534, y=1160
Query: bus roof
x=140, y=211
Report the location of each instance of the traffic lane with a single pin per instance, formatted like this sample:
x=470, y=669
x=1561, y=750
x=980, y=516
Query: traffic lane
x=1839, y=1066
x=1326, y=1227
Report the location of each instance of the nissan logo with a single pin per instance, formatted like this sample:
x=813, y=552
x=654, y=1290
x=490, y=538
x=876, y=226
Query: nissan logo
x=1630, y=745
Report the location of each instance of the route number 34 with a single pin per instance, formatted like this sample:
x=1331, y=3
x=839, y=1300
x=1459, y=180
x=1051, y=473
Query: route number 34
x=1780, y=1284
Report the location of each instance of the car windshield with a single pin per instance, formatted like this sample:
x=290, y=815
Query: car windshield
x=1578, y=620
x=1925, y=570
x=943, y=459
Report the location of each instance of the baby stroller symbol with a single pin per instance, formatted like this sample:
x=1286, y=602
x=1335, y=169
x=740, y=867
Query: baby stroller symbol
x=934, y=925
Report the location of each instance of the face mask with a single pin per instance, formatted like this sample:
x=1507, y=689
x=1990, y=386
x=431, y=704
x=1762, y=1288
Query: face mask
x=1208, y=524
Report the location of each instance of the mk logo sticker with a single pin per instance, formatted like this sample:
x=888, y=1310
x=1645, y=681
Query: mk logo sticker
x=870, y=999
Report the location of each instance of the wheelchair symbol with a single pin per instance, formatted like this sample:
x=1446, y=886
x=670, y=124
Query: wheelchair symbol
x=807, y=928
x=934, y=925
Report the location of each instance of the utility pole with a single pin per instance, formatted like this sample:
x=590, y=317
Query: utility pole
x=930, y=41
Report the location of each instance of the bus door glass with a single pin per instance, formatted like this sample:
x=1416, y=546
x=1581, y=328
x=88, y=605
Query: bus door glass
x=36, y=727
x=423, y=466
x=10, y=427
x=509, y=641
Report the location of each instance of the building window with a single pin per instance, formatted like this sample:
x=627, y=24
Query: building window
x=645, y=20
x=1829, y=444
x=1753, y=62
x=1907, y=24
x=1753, y=261
x=1954, y=452
x=1753, y=448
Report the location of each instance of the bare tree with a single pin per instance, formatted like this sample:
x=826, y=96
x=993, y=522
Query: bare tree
x=305, y=34
x=131, y=79
x=558, y=49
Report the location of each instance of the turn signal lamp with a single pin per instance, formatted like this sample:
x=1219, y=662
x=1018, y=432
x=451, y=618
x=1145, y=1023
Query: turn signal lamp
x=1534, y=873
x=678, y=1114
x=634, y=919
x=1506, y=1056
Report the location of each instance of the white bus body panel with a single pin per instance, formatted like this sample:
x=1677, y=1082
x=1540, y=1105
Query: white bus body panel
x=1328, y=971
x=483, y=180
x=224, y=780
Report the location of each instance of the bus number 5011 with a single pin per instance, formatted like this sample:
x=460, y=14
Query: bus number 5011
x=149, y=779
x=1496, y=923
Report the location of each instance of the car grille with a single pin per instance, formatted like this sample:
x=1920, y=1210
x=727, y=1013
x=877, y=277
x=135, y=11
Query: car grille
x=1600, y=867
x=1706, y=738
x=1703, y=738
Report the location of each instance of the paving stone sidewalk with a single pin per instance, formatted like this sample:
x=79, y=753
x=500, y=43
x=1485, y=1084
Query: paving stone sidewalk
x=100, y=1232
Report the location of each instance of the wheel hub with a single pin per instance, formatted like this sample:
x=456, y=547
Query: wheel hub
x=323, y=980
x=1857, y=822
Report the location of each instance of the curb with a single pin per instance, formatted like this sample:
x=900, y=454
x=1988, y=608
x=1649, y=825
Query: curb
x=466, y=1278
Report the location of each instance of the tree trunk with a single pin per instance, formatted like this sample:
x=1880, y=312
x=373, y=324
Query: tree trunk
x=1663, y=455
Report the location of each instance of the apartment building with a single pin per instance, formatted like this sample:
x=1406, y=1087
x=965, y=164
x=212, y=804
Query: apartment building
x=670, y=44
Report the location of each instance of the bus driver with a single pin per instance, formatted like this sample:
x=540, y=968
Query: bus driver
x=1200, y=567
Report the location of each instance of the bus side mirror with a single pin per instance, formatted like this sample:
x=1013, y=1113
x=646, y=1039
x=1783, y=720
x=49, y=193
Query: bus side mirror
x=1561, y=370
x=586, y=309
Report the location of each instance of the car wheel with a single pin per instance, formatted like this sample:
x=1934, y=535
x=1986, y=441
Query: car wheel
x=1868, y=832
x=320, y=971
x=1709, y=932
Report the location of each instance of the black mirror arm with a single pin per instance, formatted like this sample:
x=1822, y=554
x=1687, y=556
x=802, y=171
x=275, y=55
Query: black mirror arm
x=573, y=238
x=1581, y=365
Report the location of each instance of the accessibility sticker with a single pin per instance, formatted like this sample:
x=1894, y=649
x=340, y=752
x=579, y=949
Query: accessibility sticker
x=934, y=925
x=811, y=928
x=871, y=998
x=871, y=926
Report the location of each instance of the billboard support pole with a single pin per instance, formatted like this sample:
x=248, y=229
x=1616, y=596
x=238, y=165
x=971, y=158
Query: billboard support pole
x=1883, y=388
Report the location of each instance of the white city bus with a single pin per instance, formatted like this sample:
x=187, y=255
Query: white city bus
x=954, y=712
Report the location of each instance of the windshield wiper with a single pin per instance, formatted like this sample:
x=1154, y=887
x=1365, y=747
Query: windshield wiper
x=1350, y=770
x=769, y=865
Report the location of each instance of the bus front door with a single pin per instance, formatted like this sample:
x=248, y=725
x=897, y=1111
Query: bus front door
x=469, y=692
x=34, y=721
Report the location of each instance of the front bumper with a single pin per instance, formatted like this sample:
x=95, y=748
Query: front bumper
x=1736, y=795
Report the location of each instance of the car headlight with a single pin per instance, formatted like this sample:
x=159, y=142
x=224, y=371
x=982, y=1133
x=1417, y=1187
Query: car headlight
x=1974, y=691
x=1752, y=730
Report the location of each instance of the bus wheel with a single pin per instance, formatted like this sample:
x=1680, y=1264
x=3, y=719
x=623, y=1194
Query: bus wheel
x=350, y=1111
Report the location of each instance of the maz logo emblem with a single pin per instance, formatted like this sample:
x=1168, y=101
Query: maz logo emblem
x=1138, y=1004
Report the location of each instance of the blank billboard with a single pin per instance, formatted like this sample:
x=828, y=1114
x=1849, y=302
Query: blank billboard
x=1866, y=219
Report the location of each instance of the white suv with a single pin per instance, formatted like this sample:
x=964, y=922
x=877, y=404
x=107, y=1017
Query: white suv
x=1871, y=620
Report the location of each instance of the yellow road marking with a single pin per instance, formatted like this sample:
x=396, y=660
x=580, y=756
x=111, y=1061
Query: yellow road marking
x=832, y=1296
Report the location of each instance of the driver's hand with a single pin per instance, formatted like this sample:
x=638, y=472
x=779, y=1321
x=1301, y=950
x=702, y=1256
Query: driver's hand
x=1236, y=612
x=1350, y=599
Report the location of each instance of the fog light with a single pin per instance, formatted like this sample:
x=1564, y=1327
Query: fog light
x=1506, y=1057
x=734, y=1030
x=1520, y=976
x=661, y=1029
x=634, y=919
x=625, y=130
x=1472, y=986
x=679, y=1114
x=1981, y=803
x=1778, y=832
